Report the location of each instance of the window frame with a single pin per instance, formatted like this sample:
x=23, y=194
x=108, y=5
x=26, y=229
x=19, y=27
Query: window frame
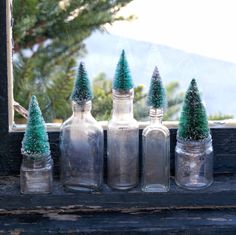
x=223, y=133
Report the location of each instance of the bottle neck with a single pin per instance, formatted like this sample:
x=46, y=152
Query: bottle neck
x=81, y=110
x=122, y=104
x=156, y=116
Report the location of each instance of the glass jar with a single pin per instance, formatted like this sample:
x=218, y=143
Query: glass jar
x=194, y=163
x=156, y=154
x=123, y=143
x=36, y=174
x=81, y=144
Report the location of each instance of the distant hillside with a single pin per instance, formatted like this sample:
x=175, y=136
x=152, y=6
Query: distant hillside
x=216, y=79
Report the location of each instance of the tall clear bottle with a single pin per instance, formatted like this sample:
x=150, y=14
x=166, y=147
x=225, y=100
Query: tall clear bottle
x=123, y=133
x=156, y=141
x=81, y=141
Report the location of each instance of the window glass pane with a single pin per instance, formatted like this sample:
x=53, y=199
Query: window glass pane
x=184, y=39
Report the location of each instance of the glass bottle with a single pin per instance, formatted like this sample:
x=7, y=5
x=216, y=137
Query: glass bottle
x=194, y=163
x=81, y=144
x=156, y=154
x=123, y=143
x=36, y=174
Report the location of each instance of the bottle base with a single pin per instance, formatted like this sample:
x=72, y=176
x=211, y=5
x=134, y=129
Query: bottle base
x=33, y=182
x=80, y=188
x=194, y=184
x=155, y=188
x=33, y=191
x=77, y=184
x=122, y=187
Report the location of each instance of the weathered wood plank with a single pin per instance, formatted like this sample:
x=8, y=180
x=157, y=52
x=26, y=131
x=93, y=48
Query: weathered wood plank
x=222, y=194
x=185, y=222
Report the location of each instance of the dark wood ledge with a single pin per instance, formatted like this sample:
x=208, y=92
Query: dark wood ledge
x=168, y=222
x=208, y=211
x=222, y=194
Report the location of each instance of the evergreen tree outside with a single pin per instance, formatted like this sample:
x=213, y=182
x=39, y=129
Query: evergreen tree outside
x=156, y=95
x=219, y=116
x=102, y=101
x=35, y=142
x=174, y=100
x=193, y=124
x=82, y=90
x=48, y=39
x=122, y=80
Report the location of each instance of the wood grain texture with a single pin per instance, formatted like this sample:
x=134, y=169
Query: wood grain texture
x=175, y=222
x=222, y=194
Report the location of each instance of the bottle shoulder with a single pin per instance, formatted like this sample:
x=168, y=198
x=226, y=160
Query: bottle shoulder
x=152, y=129
x=67, y=122
x=79, y=124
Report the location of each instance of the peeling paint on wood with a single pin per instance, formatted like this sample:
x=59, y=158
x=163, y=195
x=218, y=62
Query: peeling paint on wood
x=174, y=222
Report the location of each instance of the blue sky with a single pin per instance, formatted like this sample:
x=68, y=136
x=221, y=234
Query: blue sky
x=204, y=27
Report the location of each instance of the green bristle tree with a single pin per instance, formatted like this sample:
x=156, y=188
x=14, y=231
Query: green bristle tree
x=156, y=95
x=35, y=142
x=122, y=80
x=193, y=124
x=82, y=89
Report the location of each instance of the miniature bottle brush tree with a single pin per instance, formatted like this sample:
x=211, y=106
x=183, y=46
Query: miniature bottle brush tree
x=81, y=141
x=82, y=92
x=156, y=96
x=36, y=167
x=156, y=141
x=122, y=132
x=123, y=81
x=194, y=154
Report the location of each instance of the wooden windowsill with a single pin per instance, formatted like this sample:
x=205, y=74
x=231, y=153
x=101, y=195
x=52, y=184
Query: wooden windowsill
x=222, y=193
x=55, y=127
x=179, y=211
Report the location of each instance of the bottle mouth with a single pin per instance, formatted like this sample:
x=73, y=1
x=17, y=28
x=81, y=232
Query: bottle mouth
x=35, y=156
x=193, y=142
x=84, y=106
x=154, y=112
x=123, y=94
x=194, y=145
x=36, y=161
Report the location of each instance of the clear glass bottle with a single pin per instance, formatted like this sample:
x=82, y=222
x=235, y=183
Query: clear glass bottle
x=194, y=163
x=123, y=143
x=81, y=144
x=36, y=175
x=156, y=154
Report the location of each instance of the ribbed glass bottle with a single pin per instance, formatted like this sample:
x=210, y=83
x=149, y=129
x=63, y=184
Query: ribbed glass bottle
x=123, y=143
x=81, y=144
x=156, y=154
